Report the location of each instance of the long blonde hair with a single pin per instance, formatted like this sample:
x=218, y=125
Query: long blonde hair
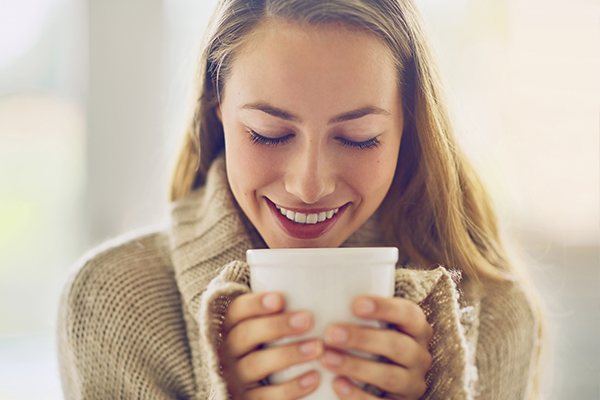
x=437, y=210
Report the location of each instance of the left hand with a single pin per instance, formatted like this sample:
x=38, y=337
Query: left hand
x=406, y=348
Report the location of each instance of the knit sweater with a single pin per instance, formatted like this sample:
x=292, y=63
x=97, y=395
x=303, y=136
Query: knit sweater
x=140, y=315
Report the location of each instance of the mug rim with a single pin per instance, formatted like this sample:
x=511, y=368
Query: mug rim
x=321, y=255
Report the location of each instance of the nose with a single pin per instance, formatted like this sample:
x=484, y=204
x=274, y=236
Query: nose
x=310, y=176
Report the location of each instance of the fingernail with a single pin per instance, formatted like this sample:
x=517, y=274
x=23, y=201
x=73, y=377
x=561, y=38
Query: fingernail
x=300, y=320
x=309, y=380
x=365, y=306
x=332, y=358
x=271, y=301
x=343, y=387
x=336, y=335
x=309, y=348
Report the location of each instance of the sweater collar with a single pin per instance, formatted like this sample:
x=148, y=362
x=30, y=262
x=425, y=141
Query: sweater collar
x=208, y=230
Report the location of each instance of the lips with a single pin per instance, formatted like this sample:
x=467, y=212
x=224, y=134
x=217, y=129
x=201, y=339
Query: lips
x=305, y=231
x=311, y=211
x=305, y=211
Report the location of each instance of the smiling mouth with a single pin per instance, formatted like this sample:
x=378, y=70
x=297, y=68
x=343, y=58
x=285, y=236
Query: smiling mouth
x=305, y=226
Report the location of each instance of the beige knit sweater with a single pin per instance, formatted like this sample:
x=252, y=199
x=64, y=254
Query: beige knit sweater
x=140, y=315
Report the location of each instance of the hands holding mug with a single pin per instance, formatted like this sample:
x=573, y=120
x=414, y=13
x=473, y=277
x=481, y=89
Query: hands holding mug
x=256, y=318
x=405, y=345
x=253, y=319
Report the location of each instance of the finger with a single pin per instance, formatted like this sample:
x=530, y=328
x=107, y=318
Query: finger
x=259, y=364
x=292, y=389
x=389, y=377
x=248, y=334
x=397, y=346
x=346, y=389
x=252, y=305
x=406, y=315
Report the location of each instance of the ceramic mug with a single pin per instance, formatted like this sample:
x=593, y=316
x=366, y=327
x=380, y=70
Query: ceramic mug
x=323, y=281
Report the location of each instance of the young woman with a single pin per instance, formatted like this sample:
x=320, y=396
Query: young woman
x=332, y=114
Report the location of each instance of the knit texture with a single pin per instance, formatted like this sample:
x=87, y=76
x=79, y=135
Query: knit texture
x=140, y=316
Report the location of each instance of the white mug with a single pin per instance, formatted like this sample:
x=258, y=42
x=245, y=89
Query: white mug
x=323, y=281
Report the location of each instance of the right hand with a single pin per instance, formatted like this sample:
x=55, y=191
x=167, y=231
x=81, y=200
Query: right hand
x=248, y=325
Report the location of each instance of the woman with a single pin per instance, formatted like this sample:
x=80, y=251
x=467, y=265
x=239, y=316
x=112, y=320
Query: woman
x=305, y=108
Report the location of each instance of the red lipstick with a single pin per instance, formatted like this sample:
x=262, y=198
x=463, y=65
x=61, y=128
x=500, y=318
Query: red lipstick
x=305, y=231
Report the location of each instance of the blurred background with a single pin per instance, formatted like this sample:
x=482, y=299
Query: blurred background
x=93, y=101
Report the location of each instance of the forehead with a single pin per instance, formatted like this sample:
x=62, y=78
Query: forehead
x=293, y=64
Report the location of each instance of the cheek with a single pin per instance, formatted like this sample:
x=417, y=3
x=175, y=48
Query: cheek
x=371, y=174
x=250, y=166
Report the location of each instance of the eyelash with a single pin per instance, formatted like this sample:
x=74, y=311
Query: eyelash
x=259, y=139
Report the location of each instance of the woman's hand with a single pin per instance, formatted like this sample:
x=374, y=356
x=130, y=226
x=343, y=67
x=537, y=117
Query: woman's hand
x=406, y=348
x=253, y=319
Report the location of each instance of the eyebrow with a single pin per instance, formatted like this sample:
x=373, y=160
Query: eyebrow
x=286, y=115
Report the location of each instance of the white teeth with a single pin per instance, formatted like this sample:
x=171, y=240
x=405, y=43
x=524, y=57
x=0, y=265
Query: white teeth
x=299, y=217
x=302, y=218
x=312, y=218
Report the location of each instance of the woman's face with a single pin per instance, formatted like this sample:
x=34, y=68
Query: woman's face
x=316, y=90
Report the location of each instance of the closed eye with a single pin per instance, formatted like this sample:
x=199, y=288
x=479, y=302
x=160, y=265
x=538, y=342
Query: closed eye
x=257, y=138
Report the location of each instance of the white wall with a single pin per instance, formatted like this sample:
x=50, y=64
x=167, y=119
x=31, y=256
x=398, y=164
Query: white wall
x=126, y=170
